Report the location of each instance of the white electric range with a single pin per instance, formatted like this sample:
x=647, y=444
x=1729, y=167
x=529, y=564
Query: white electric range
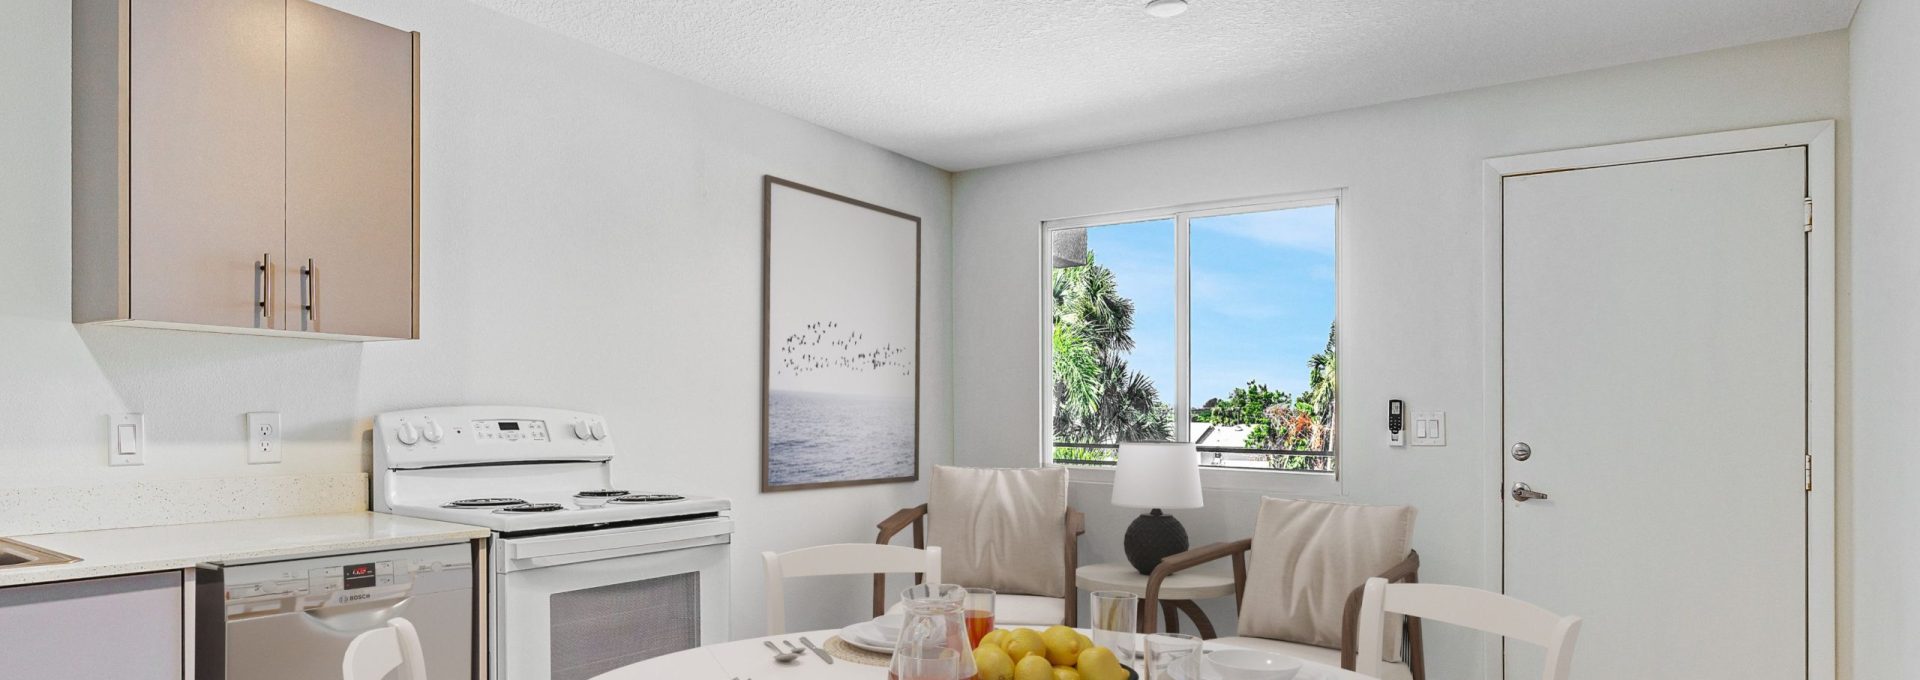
x=584, y=577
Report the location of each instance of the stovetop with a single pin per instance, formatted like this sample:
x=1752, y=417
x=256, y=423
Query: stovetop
x=555, y=510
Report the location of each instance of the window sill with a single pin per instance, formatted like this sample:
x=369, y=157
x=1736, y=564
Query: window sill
x=1277, y=482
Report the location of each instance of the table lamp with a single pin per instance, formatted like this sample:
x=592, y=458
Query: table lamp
x=1155, y=476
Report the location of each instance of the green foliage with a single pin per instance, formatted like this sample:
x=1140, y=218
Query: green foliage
x=1097, y=398
x=1303, y=422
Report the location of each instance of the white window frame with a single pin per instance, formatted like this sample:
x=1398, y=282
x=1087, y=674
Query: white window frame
x=1252, y=479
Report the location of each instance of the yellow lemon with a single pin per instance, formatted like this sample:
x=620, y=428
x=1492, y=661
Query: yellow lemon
x=1065, y=673
x=1033, y=668
x=995, y=638
x=993, y=662
x=1024, y=641
x=1099, y=663
x=1086, y=643
x=1063, y=645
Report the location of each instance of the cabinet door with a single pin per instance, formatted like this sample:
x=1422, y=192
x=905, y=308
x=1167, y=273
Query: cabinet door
x=349, y=174
x=207, y=165
x=124, y=627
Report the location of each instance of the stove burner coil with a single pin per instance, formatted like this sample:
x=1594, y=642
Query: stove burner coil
x=485, y=503
x=532, y=507
x=647, y=498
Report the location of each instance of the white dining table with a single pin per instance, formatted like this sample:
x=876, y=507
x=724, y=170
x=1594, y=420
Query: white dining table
x=751, y=660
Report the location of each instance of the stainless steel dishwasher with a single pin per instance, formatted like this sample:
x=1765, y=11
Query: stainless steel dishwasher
x=292, y=620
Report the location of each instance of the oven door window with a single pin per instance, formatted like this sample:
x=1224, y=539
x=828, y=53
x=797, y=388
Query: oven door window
x=595, y=630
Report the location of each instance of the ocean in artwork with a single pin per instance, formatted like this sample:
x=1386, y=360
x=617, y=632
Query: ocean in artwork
x=817, y=437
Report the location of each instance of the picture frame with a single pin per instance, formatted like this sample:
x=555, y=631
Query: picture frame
x=840, y=331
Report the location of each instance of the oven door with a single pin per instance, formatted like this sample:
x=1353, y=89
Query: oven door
x=578, y=605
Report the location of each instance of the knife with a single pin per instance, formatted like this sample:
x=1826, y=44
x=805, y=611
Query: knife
x=816, y=650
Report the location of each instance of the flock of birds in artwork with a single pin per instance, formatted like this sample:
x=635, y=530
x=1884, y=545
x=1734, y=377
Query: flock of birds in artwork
x=824, y=346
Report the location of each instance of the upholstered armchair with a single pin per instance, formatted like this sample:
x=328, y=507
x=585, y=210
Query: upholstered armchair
x=1298, y=581
x=1006, y=529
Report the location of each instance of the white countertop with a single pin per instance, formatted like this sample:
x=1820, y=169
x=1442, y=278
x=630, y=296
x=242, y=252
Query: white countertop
x=178, y=546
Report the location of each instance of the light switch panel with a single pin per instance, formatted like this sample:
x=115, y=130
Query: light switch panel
x=126, y=439
x=1429, y=428
x=263, y=438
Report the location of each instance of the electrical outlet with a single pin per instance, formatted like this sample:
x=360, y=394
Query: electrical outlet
x=127, y=439
x=263, y=438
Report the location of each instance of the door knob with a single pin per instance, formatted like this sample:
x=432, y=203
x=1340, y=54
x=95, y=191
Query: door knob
x=1524, y=493
x=1521, y=451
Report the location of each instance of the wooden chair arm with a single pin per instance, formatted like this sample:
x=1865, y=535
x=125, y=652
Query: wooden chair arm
x=1174, y=564
x=915, y=517
x=1076, y=526
x=1407, y=571
x=901, y=519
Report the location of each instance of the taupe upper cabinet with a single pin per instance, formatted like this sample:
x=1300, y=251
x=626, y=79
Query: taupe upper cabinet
x=245, y=166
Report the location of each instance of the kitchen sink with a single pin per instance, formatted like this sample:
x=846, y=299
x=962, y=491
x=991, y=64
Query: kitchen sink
x=16, y=554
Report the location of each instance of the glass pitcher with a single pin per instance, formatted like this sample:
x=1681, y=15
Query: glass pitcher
x=933, y=640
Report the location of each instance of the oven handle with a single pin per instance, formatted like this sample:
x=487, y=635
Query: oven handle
x=636, y=537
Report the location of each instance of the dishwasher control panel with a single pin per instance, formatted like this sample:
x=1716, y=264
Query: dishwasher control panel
x=343, y=579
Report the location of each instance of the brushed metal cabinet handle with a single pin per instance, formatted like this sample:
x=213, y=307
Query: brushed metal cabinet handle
x=310, y=293
x=265, y=300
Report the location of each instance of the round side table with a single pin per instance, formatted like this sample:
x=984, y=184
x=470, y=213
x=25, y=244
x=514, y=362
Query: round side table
x=1177, y=593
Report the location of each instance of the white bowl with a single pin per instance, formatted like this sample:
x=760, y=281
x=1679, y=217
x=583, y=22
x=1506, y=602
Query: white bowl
x=889, y=626
x=1246, y=664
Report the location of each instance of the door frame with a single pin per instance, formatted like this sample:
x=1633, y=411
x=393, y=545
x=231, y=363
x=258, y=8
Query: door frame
x=1818, y=138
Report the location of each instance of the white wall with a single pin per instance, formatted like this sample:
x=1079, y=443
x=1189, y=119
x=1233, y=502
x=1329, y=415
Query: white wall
x=1878, y=365
x=1411, y=313
x=592, y=241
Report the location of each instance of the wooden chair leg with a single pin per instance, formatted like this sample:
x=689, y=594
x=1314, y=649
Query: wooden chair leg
x=1168, y=610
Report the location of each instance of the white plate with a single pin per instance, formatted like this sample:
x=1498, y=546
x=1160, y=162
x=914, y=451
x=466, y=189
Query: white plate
x=866, y=636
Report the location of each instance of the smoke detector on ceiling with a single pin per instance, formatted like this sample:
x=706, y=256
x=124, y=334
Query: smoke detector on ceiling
x=1166, y=8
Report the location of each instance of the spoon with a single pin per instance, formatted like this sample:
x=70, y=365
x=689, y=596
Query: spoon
x=780, y=656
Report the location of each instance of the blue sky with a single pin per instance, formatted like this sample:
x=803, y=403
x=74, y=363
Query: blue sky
x=1263, y=295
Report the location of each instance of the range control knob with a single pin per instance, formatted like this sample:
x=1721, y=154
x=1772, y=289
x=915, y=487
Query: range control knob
x=599, y=430
x=432, y=432
x=407, y=434
x=581, y=431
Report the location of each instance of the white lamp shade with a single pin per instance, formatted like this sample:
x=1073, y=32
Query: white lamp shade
x=1162, y=475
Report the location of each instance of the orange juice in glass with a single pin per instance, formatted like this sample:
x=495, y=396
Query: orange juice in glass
x=979, y=608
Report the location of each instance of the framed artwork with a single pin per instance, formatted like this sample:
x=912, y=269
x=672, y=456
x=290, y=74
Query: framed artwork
x=841, y=374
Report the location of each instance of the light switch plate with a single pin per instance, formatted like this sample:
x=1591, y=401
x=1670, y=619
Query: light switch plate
x=126, y=439
x=1429, y=428
x=263, y=438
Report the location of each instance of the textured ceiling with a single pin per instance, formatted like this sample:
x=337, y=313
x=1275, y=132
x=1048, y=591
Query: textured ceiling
x=963, y=84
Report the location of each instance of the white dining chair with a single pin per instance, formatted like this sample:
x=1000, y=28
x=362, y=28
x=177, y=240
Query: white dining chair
x=375, y=653
x=1469, y=607
x=838, y=559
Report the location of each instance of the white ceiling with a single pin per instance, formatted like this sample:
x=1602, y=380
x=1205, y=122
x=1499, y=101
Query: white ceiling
x=963, y=84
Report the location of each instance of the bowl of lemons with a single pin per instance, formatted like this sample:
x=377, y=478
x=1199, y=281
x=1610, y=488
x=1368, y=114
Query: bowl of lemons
x=1057, y=653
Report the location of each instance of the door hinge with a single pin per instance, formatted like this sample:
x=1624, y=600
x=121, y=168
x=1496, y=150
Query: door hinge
x=1809, y=222
x=1808, y=470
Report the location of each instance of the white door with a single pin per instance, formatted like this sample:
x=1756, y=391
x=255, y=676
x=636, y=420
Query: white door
x=1655, y=366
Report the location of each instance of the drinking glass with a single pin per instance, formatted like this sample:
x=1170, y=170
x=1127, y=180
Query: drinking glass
x=979, y=607
x=1172, y=656
x=1116, y=619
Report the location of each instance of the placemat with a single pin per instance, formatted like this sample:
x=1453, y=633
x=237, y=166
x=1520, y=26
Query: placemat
x=841, y=650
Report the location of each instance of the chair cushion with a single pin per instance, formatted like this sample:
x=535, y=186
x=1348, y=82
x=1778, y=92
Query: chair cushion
x=1320, y=655
x=1021, y=610
x=1000, y=528
x=1307, y=556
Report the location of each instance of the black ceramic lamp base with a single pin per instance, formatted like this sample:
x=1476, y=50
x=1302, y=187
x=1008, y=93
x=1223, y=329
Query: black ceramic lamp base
x=1152, y=537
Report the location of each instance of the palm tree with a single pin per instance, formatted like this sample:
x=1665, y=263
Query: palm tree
x=1097, y=398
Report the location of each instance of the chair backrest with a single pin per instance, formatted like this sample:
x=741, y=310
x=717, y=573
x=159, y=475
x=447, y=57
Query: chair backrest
x=1004, y=528
x=836, y=559
x=1470, y=607
x=375, y=653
